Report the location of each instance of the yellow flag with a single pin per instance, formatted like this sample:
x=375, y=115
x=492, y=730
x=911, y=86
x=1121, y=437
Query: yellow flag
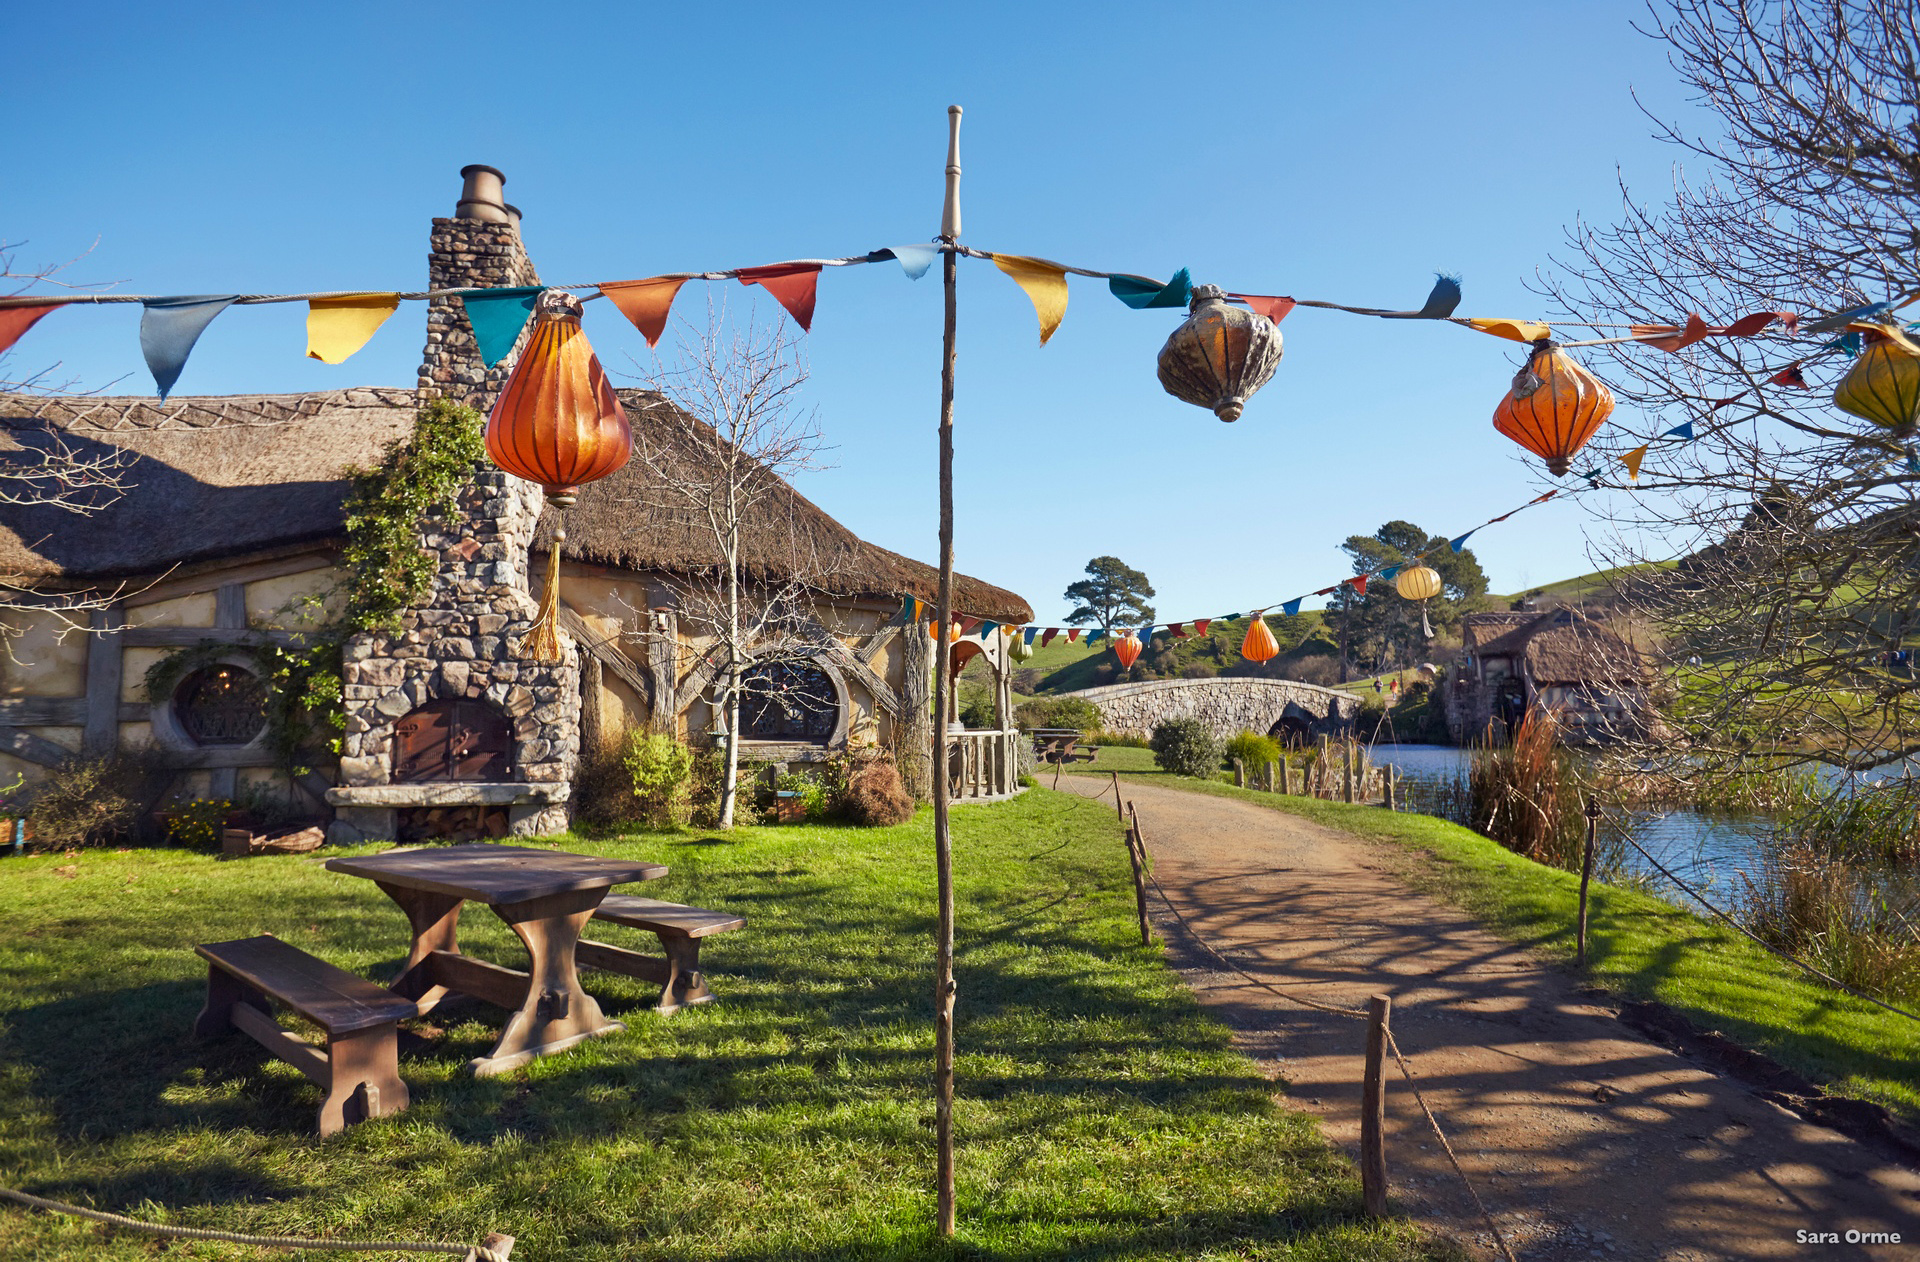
x=1045, y=283
x=1632, y=460
x=1512, y=330
x=337, y=327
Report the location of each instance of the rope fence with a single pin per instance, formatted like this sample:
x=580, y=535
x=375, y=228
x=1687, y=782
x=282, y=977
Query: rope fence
x=495, y=1248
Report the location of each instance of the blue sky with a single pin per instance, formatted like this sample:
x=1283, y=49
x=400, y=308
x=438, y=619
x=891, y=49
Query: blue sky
x=1343, y=152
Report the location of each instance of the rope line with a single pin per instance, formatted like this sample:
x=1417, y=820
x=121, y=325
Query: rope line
x=1406, y=1071
x=1790, y=958
x=474, y=1253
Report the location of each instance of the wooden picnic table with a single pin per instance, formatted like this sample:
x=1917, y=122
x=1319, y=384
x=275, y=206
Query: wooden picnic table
x=1060, y=745
x=545, y=896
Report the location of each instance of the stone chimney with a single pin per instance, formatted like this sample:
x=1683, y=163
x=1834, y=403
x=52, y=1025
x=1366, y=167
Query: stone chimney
x=478, y=248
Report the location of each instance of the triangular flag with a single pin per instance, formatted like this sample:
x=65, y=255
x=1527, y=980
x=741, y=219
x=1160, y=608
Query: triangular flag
x=1841, y=319
x=645, y=302
x=1461, y=542
x=1292, y=607
x=337, y=327
x=1682, y=431
x=1179, y=630
x=1441, y=300
x=1048, y=637
x=988, y=627
x=168, y=329
x=1748, y=325
x=1512, y=330
x=1144, y=635
x=914, y=259
x=1789, y=376
x=1200, y=625
x=1387, y=574
x=1142, y=294
x=967, y=625
x=17, y=320
x=1074, y=635
x=1541, y=499
x=1045, y=283
x=1359, y=583
x=1670, y=339
x=910, y=609
x=1632, y=460
x=1592, y=476
x=793, y=285
x=497, y=316
x=1275, y=309
x=1230, y=617
x=1028, y=637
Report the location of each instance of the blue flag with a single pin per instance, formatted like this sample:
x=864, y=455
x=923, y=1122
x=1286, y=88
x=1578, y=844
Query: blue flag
x=168, y=329
x=987, y=627
x=1031, y=632
x=1461, y=542
x=1683, y=431
x=497, y=316
x=914, y=259
x=1292, y=606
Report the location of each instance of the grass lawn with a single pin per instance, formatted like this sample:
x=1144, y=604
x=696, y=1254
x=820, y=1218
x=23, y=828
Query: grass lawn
x=1100, y=1113
x=1637, y=946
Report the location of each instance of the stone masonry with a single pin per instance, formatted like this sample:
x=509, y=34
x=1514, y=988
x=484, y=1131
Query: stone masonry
x=1228, y=705
x=468, y=254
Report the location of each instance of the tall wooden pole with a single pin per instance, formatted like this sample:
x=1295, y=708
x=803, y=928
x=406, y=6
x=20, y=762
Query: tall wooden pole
x=1586, y=877
x=943, y=988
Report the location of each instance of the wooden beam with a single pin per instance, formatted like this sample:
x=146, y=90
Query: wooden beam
x=882, y=691
x=694, y=684
x=217, y=576
x=104, y=663
x=606, y=652
x=663, y=663
x=188, y=637
x=43, y=712
x=296, y=1051
x=34, y=749
x=218, y=756
x=501, y=987
x=230, y=606
x=877, y=641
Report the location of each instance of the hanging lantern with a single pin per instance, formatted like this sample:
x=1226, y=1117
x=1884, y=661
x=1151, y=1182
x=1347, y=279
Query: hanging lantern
x=1259, y=644
x=1883, y=386
x=1017, y=647
x=1127, y=649
x=1421, y=583
x=557, y=423
x=1220, y=356
x=1554, y=407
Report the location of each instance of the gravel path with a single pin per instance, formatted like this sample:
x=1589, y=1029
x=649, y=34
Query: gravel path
x=1584, y=1139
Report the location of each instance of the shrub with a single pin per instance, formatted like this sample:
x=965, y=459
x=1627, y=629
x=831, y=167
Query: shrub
x=602, y=787
x=658, y=767
x=875, y=796
x=1199, y=670
x=197, y=823
x=1077, y=713
x=1186, y=747
x=93, y=801
x=816, y=797
x=1027, y=680
x=976, y=707
x=1253, y=750
x=703, y=789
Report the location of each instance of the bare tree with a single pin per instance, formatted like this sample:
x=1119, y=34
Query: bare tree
x=732, y=428
x=1777, y=556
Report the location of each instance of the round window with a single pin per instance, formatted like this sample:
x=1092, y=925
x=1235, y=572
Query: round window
x=221, y=705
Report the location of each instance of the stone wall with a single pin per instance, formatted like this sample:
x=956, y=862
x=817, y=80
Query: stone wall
x=468, y=254
x=1227, y=705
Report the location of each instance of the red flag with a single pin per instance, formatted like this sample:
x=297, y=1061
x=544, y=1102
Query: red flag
x=17, y=320
x=1748, y=325
x=645, y=302
x=1732, y=398
x=1673, y=339
x=1275, y=309
x=1359, y=583
x=1200, y=625
x=1178, y=629
x=791, y=284
x=967, y=625
x=1789, y=376
x=1325, y=591
x=1048, y=637
x=1541, y=499
x=1073, y=635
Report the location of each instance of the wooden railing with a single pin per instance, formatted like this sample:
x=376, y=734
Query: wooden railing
x=983, y=764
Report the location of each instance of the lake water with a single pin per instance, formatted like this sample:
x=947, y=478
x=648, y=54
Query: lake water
x=1706, y=851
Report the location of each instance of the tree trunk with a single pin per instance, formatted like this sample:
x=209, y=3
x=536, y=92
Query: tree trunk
x=913, y=735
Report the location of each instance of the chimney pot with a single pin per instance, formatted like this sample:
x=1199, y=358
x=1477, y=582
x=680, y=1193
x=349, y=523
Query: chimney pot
x=482, y=196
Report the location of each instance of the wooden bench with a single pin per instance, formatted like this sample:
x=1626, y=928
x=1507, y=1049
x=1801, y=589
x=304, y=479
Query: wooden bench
x=1060, y=745
x=359, y=1070
x=679, y=928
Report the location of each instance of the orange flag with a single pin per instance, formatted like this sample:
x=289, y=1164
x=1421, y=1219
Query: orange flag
x=793, y=285
x=1632, y=460
x=1275, y=309
x=645, y=302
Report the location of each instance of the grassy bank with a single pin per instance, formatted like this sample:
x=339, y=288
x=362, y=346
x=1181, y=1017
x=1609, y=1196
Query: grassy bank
x=1638, y=946
x=1100, y=1113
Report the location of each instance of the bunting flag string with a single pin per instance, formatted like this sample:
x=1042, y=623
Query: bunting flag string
x=645, y=302
x=497, y=317
x=169, y=327
x=17, y=320
x=337, y=327
x=793, y=286
x=1045, y=285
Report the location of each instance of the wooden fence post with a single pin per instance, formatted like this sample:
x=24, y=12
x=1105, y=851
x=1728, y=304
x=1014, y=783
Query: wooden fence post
x=1239, y=774
x=1347, y=776
x=1270, y=776
x=1389, y=783
x=1373, y=1112
x=1586, y=875
x=1136, y=854
x=1286, y=777
x=1117, y=812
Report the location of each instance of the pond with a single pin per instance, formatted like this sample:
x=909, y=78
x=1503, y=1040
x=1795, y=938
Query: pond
x=1707, y=851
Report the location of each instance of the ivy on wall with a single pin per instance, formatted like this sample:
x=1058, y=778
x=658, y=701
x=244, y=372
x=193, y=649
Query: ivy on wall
x=388, y=570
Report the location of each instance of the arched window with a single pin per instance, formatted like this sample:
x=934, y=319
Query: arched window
x=221, y=705
x=787, y=701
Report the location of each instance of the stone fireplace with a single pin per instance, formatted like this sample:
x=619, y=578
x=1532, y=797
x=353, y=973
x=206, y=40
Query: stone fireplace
x=450, y=732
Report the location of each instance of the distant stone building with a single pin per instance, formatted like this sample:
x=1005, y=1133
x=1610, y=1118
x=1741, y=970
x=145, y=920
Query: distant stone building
x=1562, y=660
x=226, y=541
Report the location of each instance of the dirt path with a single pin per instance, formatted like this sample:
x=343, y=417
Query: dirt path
x=1584, y=1139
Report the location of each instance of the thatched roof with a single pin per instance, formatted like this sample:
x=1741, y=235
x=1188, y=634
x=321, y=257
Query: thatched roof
x=273, y=478
x=1561, y=646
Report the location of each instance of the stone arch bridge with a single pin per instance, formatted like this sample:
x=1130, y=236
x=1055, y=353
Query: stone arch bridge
x=1282, y=708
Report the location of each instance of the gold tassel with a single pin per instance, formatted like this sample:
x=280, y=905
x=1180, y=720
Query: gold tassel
x=543, y=638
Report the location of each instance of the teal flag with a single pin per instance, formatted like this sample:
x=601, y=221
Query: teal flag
x=914, y=259
x=1142, y=294
x=497, y=316
x=168, y=329
x=987, y=627
x=1387, y=574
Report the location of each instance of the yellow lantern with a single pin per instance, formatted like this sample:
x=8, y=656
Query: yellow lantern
x=1421, y=582
x=1883, y=386
x=1259, y=644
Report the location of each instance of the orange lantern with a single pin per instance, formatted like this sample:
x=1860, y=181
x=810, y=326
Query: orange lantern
x=1127, y=649
x=1554, y=407
x=557, y=423
x=1259, y=644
